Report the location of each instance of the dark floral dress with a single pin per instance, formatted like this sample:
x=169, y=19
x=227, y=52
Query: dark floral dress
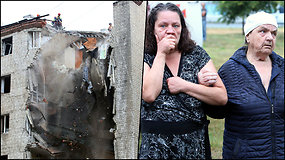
x=175, y=126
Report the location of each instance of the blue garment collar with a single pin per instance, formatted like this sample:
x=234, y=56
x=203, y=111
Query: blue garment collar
x=240, y=56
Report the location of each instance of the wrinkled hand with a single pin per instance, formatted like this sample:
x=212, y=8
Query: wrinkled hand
x=166, y=44
x=207, y=78
x=175, y=84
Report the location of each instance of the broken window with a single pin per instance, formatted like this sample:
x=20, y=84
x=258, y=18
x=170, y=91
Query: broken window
x=5, y=84
x=4, y=123
x=34, y=39
x=6, y=46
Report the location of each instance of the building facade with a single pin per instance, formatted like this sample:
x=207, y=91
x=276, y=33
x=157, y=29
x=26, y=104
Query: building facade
x=20, y=42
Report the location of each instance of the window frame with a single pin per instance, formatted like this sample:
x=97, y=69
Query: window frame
x=34, y=39
x=7, y=42
x=4, y=86
x=5, y=120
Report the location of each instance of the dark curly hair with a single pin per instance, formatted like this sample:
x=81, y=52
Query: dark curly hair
x=185, y=45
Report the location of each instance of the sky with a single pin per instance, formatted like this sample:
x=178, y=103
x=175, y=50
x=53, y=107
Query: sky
x=76, y=15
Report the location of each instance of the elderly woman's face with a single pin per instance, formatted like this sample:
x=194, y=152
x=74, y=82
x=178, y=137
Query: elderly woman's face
x=168, y=22
x=262, y=39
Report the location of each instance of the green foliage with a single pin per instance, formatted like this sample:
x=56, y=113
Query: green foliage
x=230, y=10
x=281, y=3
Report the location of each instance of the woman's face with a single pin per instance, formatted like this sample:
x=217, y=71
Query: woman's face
x=262, y=39
x=168, y=22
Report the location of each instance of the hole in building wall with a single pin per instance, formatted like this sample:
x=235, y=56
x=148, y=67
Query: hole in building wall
x=6, y=84
x=71, y=109
x=7, y=46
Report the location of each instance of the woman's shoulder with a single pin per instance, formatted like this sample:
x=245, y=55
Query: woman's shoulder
x=198, y=49
x=229, y=67
x=277, y=59
x=197, y=57
x=200, y=53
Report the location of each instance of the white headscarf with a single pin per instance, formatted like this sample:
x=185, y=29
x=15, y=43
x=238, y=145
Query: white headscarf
x=258, y=19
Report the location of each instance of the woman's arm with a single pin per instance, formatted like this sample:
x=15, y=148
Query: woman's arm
x=214, y=95
x=153, y=78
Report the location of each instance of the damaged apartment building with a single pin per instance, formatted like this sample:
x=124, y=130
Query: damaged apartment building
x=56, y=92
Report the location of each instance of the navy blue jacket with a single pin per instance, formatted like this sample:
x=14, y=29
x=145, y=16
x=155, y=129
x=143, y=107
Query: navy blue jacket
x=254, y=121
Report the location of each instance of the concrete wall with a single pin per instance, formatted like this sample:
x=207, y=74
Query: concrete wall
x=128, y=44
x=13, y=143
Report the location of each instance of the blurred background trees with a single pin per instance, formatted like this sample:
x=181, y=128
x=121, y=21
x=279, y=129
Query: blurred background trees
x=230, y=10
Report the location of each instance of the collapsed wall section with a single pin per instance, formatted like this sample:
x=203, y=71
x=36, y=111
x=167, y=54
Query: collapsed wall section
x=69, y=108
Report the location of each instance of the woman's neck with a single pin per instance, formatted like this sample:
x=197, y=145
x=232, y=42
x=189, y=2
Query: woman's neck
x=257, y=57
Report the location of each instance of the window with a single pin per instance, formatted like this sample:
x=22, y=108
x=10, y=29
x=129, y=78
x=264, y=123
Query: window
x=34, y=39
x=5, y=84
x=6, y=46
x=4, y=123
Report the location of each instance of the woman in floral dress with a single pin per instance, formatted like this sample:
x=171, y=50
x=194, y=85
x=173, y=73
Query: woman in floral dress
x=178, y=76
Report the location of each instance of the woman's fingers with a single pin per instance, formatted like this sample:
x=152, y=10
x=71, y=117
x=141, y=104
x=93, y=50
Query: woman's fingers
x=207, y=78
x=156, y=37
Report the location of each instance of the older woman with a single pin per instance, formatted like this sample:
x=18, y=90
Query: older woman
x=173, y=123
x=254, y=78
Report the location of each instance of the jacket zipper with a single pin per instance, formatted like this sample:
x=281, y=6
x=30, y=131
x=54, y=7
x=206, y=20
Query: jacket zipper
x=272, y=119
x=273, y=122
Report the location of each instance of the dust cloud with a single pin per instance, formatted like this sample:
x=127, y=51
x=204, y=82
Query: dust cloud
x=77, y=122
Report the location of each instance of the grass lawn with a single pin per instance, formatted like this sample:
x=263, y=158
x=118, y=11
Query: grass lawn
x=221, y=43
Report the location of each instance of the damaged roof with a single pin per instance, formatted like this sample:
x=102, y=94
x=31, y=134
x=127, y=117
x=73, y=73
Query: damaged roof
x=87, y=34
x=36, y=22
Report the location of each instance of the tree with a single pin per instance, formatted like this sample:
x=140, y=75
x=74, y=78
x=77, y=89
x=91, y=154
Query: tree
x=230, y=10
